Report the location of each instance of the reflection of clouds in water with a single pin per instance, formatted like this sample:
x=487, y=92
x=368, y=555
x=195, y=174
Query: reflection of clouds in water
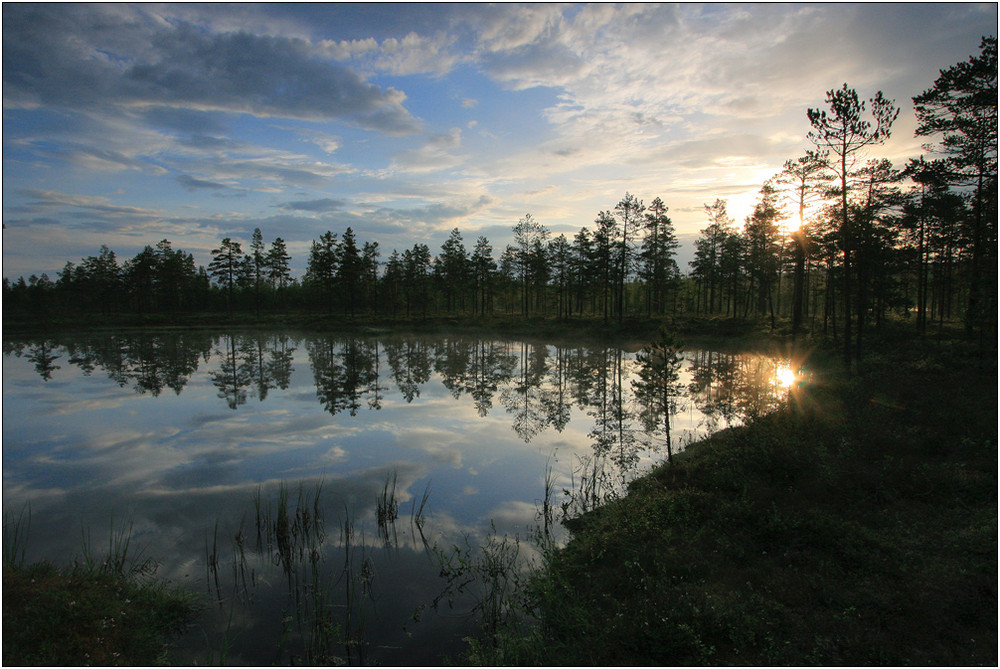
x=86, y=451
x=335, y=454
x=64, y=398
x=180, y=462
x=513, y=513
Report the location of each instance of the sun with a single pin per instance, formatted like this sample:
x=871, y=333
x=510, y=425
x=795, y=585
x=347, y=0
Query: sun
x=785, y=376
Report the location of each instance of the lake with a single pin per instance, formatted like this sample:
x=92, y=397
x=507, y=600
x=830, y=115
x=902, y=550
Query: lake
x=314, y=486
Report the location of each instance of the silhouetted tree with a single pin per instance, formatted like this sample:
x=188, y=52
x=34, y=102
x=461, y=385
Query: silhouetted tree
x=841, y=138
x=762, y=247
x=483, y=269
x=806, y=175
x=961, y=108
x=658, y=269
x=452, y=269
x=629, y=209
x=350, y=269
x=530, y=238
x=321, y=270
x=227, y=267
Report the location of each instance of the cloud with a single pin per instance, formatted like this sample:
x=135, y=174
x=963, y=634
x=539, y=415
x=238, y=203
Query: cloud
x=73, y=59
x=414, y=54
x=327, y=142
x=437, y=153
x=411, y=54
x=435, y=215
x=263, y=171
x=198, y=123
x=49, y=199
x=321, y=205
x=190, y=183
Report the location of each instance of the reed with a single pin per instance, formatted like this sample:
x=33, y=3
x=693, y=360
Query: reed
x=387, y=510
x=15, y=536
x=121, y=559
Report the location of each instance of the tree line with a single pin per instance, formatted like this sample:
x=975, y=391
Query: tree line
x=595, y=273
x=867, y=239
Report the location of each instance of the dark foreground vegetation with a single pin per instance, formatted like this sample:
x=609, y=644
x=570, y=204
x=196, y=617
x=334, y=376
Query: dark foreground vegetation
x=110, y=611
x=856, y=527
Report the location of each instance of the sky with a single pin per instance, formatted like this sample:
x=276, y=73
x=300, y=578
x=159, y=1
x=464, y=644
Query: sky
x=127, y=124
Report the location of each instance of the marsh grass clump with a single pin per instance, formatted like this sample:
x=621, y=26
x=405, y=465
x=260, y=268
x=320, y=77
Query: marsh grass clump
x=291, y=536
x=493, y=575
x=104, y=610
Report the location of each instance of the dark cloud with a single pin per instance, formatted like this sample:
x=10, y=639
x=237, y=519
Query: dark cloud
x=321, y=205
x=284, y=170
x=185, y=120
x=210, y=143
x=190, y=183
x=70, y=58
x=49, y=198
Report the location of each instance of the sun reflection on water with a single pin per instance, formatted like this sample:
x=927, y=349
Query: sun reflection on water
x=785, y=376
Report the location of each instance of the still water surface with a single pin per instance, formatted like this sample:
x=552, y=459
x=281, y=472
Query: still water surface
x=299, y=479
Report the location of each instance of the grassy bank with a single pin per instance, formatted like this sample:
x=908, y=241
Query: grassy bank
x=857, y=527
x=104, y=612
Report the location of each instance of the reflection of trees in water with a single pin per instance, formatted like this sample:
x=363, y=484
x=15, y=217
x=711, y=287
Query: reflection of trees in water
x=657, y=387
x=42, y=355
x=614, y=434
x=733, y=386
x=410, y=363
x=712, y=386
x=536, y=384
x=255, y=362
x=474, y=367
x=345, y=371
x=557, y=399
x=524, y=398
x=147, y=363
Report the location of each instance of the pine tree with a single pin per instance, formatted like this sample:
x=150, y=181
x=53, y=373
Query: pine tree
x=657, y=265
x=321, y=270
x=227, y=267
x=629, y=209
x=841, y=138
x=350, y=269
x=277, y=262
x=961, y=107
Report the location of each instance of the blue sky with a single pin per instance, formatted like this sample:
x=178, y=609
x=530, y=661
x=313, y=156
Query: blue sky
x=127, y=124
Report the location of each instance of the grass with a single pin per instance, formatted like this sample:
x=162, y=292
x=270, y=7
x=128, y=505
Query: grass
x=857, y=527
x=101, y=611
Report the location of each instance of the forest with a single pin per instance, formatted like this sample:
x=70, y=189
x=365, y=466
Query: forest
x=839, y=241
